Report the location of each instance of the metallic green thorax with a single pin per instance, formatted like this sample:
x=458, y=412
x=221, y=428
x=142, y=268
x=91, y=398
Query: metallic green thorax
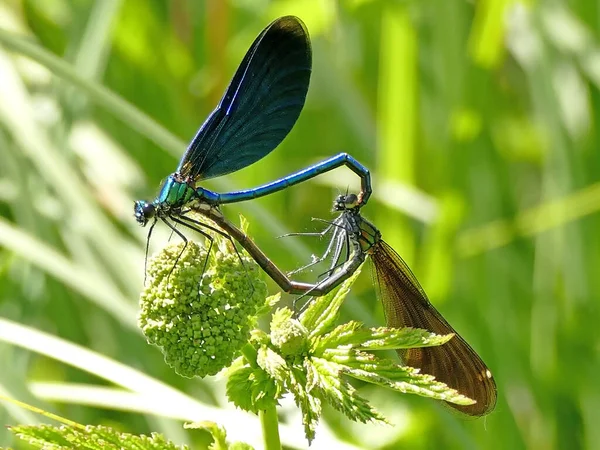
x=175, y=192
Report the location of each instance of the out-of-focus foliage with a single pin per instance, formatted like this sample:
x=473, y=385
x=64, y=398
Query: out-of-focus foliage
x=478, y=120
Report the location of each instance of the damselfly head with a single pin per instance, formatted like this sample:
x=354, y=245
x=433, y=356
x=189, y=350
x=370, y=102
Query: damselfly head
x=143, y=212
x=344, y=202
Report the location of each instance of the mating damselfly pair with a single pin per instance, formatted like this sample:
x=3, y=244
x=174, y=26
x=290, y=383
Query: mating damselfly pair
x=259, y=108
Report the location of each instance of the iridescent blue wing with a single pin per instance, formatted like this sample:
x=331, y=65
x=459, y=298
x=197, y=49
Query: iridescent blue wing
x=260, y=106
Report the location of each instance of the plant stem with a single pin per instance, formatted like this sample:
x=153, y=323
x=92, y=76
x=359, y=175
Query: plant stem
x=249, y=353
x=270, y=428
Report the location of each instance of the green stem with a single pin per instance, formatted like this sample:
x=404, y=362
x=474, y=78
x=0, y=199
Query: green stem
x=270, y=428
x=249, y=353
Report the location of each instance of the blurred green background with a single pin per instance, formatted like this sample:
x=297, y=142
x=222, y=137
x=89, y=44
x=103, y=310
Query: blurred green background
x=478, y=120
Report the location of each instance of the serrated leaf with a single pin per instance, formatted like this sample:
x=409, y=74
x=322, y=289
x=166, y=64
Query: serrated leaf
x=217, y=432
x=340, y=335
x=413, y=383
x=350, y=357
x=340, y=394
x=90, y=438
x=384, y=338
x=351, y=335
x=316, y=308
x=45, y=435
x=280, y=316
x=381, y=366
x=240, y=446
x=309, y=405
x=312, y=378
x=238, y=388
x=270, y=302
x=252, y=389
x=259, y=336
x=272, y=363
x=219, y=436
x=322, y=312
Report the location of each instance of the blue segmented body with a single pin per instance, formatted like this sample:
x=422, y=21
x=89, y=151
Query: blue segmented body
x=259, y=108
x=257, y=111
x=341, y=159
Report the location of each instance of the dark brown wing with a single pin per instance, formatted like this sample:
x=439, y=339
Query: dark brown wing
x=406, y=305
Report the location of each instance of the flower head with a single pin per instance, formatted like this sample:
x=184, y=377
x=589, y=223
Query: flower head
x=198, y=307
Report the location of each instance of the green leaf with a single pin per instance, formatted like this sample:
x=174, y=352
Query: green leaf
x=240, y=446
x=259, y=337
x=217, y=432
x=323, y=311
x=406, y=380
x=219, y=435
x=90, y=438
x=238, y=389
x=272, y=363
x=381, y=338
x=252, y=389
x=270, y=302
x=309, y=405
x=342, y=335
x=401, y=338
x=340, y=394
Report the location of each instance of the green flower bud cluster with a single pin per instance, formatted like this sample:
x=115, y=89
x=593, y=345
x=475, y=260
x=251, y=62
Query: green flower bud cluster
x=199, y=308
x=288, y=334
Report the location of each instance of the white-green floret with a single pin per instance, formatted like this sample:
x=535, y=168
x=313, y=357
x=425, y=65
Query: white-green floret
x=288, y=334
x=199, y=316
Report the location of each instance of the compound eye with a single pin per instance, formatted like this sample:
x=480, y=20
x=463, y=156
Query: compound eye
x=143, y=211
x=148, y=209
x=344, y=202
x=351, y=199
